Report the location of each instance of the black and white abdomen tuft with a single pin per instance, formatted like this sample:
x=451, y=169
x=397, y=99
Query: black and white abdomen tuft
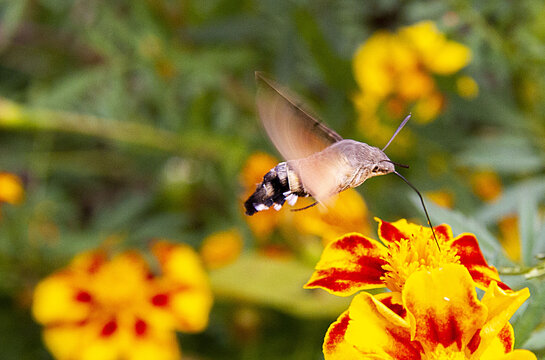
x=275, y=190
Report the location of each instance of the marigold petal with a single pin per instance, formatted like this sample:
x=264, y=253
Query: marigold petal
x=221, y=248
x=443, y=306
x=63, y=341
x=349, y=264
x=346, y=212
x=469, y=252
x=500, y=345
x=57, y=299
x=80, y=342
x=335, y=346
x=192, y=309
x=377, y=332
x=181, y=263
x=449, y=58
x=394, y=302
x=158, y=345
x=501, y=306
x=402, y=229
x=371, y=65
x=11, y=188
x=520, y=355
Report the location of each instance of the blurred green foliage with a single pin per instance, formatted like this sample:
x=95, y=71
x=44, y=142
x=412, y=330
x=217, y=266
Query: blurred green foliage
x=134, y=118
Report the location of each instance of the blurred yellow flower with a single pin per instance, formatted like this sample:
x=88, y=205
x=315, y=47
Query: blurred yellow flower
x=347, y=212
x=442, y=198
x=510, y=237
x=11, y=188
x=395, y=71
x=486, y=185
x=221, y=248
x=116, y=308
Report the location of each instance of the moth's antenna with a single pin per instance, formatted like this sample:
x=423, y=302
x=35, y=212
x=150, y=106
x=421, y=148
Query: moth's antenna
x=397, y=131
x=306, y=207
x=423, y=206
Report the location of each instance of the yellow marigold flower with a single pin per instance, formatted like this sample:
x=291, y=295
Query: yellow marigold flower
x=348, y=211
x=11, y=188
x=438, y=316
x=510, y=237
x=112, y=308
x=467, y=87
x=442, y=198
x=221, y=248
x=427, y=108
x=354, y=262
x=438, y=55
x=486, y=185
x=397, y=69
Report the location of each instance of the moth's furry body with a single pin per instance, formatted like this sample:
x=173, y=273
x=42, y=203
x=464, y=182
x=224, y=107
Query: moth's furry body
x=351, y=162
x=320, y=163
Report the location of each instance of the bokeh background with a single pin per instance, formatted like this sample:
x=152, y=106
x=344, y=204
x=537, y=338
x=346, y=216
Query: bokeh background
x=128, y=121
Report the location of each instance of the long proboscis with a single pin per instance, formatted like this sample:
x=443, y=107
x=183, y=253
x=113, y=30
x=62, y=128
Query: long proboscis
x=423, y=206
x=397, y=131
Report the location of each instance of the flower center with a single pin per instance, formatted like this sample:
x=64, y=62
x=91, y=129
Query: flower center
x=417, y=252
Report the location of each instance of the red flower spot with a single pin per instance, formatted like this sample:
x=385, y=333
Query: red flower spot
x=336, y=333
x=397, y=308
x=442, y=231
x=369, y=272
x=160, y=300
x=474, y=343
x=353, y=243
x=405, y=349
x=109, y=328
x=140, y=327
x=506, y=338
x=444, y=334
x=83, y=296
x=467, y=248
x=390, y=233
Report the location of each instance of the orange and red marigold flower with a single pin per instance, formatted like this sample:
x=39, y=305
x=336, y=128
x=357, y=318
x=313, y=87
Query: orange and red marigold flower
x=432, y=310
x=355, y=262
x=117, y=308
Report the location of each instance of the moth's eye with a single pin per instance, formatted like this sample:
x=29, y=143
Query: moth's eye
x=375, y=169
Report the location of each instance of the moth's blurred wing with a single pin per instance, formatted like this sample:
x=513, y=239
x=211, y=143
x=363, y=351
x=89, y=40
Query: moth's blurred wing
x=295, y=133
x=323, y=174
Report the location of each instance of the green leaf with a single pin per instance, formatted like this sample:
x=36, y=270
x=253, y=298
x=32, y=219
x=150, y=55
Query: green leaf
x=527, y=321
x=536, y=341
x=508, y=154
x=507, y=203
x=275, y=283
x=528, y=222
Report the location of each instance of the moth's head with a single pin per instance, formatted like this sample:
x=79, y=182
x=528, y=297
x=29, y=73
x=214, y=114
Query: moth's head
x=381, y=164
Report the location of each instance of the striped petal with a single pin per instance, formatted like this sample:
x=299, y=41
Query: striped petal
x=349, y=264
x=401, y=229
x=378, y=332
x=467, y=248
x=443, y=308
x=501, y=306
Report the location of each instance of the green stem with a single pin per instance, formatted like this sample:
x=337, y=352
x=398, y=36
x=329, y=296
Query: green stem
x=14, y=116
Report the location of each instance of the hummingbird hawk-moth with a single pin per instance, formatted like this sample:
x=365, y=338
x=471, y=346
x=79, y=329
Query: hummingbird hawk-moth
x=319, y=162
